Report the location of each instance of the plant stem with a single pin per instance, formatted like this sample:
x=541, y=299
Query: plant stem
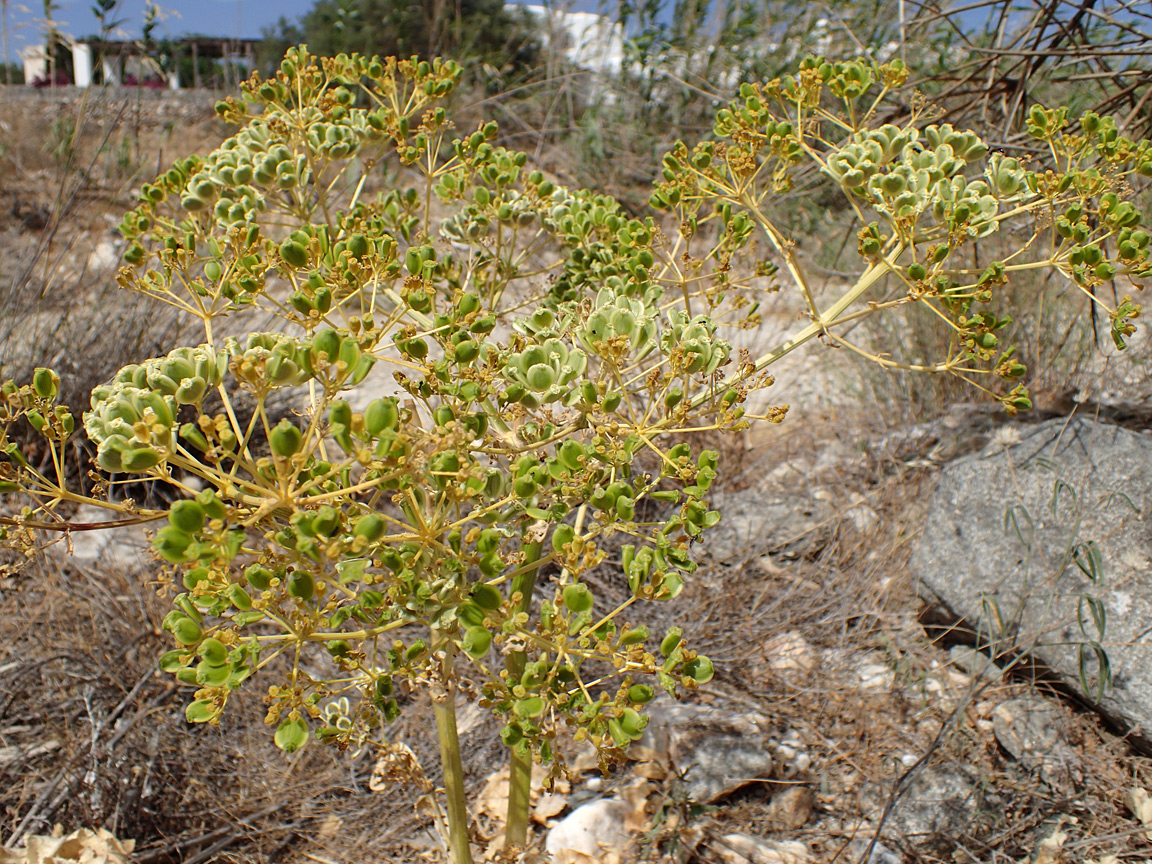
x=459, y=846
x=520, y=766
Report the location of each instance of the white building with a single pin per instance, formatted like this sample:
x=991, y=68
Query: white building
x=588, y=40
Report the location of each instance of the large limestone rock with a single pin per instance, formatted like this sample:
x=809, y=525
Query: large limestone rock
x=1009, y=534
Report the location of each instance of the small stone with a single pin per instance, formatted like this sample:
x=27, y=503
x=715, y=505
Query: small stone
x=875, y=676
x=743, y=849
x=791, y=808
x=789, y=653
x=591, y=834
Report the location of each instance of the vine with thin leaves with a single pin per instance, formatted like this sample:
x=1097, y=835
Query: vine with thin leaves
x=497, y=379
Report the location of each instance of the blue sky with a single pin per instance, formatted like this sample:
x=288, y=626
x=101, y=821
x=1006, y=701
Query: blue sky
x=225, y=18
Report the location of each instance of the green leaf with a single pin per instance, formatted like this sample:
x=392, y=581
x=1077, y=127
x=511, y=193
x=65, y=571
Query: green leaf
x=1088, y=558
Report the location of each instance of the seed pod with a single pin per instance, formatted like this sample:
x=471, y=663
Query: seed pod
x=540, y=377
x=258, y=577
x=213, y=651
x=381, y=415
x=476, y=642
x=186, y=516
x=487, y=596
x=370, y=527
x=625, y=508
x=326, y=342
x=326, y=521
x=699, y=669
x=671, y=641
x=139, y=459
x=577, y=598
x=340, y=414
x=467, y=351
x=171, y=544
x=291, y=735
x=301, y=585
x=187, y=631
x=562, y=536
x=349, y=353
x=633, y=637
x=640, y=693
x=239, y=598
x=46, y=383
x=285, y=439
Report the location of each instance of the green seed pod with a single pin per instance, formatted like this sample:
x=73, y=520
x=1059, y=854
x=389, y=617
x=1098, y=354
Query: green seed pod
x=625, y=508
x=370, y=527
x=258, y=577
x=486, y=596
x=339, y=648
x=171, y=544
x=571, y=454
x=340, y=413
x=633, y=637
x=328, y=343
x=291, y=735
x=671, y=641
x=577, y=598
x=301, y=585
x=213, y=651
x=467, y=351
x=46, y=383
x=917, y=271
x=239, y=598
x=381, y=415
x=139, y=459
x=641, y=694
x=194, y=577
x=187, y=631
x=699, y=669
x=186, y=516
x=326, y=521
x=191, y=391
x=562, y=536
x=611, y=401
x=172, y=661
x=285, y=439
x=540, y=377
x=476, y=642
x=349, y=353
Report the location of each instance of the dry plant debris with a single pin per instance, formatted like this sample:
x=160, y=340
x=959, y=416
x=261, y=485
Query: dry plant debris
x=83, y=846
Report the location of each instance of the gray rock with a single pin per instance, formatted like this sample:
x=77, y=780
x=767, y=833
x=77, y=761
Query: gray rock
x=938, y=801
x=1006, y=552
x=757, y=521
x=880, y=853
x=714, y=752
x=120, y=549
x=1029, y=728
x=592, y=832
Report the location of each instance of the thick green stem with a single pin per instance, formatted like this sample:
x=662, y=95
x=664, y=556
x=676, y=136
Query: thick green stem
x=520, y=766
x=444, y=707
